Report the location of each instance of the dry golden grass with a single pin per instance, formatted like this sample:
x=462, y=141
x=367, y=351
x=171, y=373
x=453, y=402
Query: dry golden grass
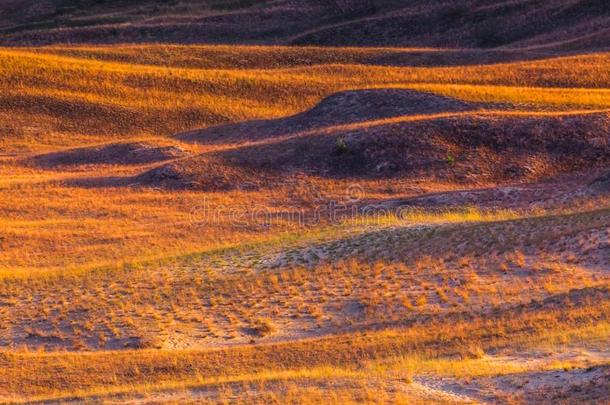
x=119, y=97
x=48, y=376
x=113, y=292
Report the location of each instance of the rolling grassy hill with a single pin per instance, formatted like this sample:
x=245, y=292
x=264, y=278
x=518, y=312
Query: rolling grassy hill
x=184, y=192
x=565, y=25
x=113, y=93
x=184, y=222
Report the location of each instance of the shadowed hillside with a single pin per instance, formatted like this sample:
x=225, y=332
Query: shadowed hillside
x=342, y=108
x=560, y=24
x=394, y=133
x=345, y=202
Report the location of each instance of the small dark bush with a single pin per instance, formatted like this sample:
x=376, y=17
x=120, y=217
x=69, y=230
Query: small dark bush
x=341, y=147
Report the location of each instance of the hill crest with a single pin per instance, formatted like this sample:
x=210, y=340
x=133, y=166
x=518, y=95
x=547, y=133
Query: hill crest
x=562, y=24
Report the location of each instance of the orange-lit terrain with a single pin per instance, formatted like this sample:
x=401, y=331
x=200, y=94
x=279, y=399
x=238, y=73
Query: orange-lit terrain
x=347, y=207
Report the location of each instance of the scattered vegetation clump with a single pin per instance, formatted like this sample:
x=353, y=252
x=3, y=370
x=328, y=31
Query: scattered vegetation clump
x=341, y=147
x=263, y=327
x=276, y=224
x=472, y=352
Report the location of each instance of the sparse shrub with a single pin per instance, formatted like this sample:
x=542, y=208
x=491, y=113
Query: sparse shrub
x=341, y=147
x=147, y=342
x=421, y=300
x=263, y=327
x=472, y=351
x=406, y=302
x=442, y=295
x=450, y=160
x=517, y=258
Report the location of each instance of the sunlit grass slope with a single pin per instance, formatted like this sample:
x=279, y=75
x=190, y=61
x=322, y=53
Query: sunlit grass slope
x=58, y=97
x=110, y=290
x=69, y=96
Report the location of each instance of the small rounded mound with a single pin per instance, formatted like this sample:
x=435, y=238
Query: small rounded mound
x=477, y=148
x=472, y=148
x=601, y=184
x=115, y=154
x=199, y=173
x=361, y=105
x=346, y=107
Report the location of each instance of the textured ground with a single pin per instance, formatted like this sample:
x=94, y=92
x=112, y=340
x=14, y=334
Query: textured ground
x=264, y=224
